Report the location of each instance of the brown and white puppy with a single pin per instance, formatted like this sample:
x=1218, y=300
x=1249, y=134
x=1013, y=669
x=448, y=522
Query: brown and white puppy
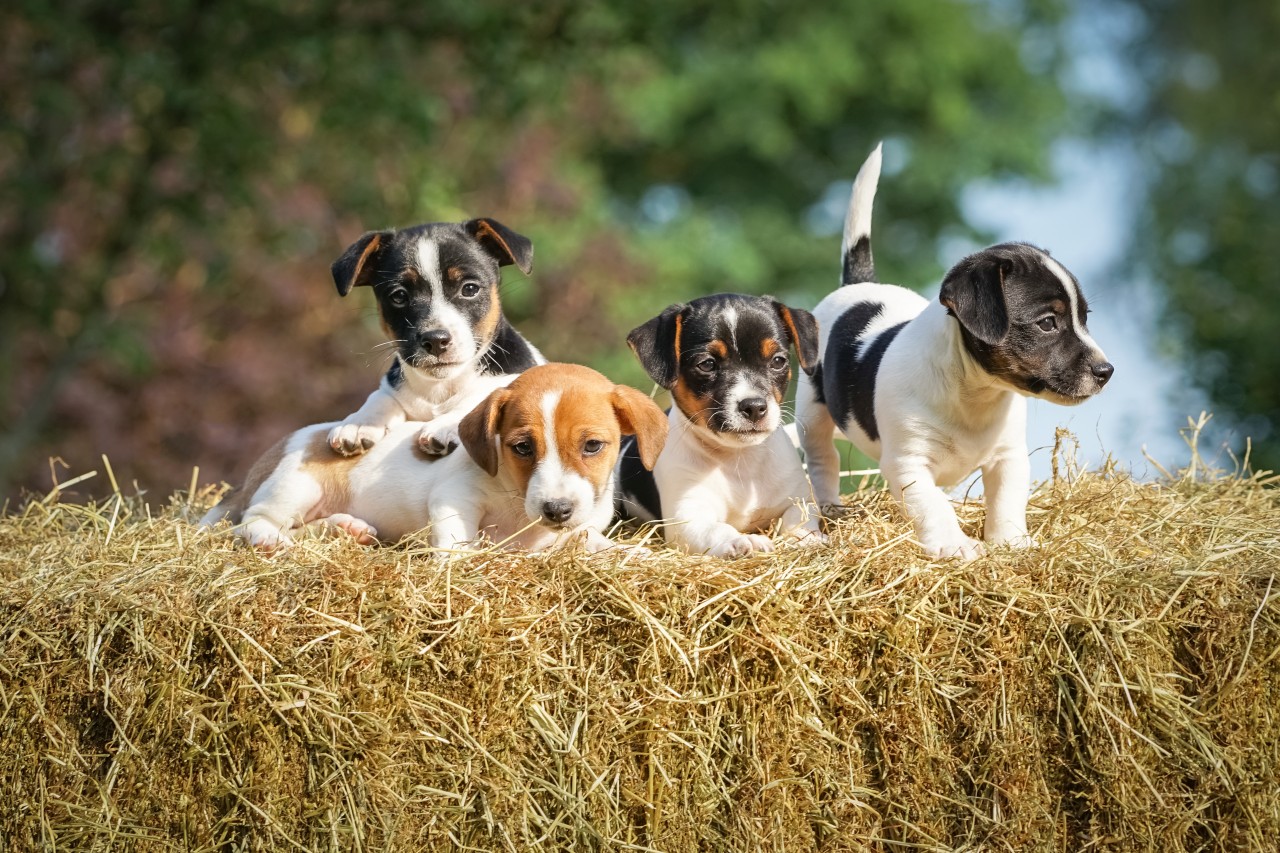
x=728, y=475
x=538, y=472
x=935, y=390
x=437, y=292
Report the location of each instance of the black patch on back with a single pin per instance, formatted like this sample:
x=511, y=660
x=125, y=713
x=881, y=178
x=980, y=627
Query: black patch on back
x=850, y=385
x=636, y=485
x=508, y=353
x=859, y=265
x=815, y=380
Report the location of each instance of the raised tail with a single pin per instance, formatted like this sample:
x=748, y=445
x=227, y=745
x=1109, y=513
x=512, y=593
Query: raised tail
x=855, y=249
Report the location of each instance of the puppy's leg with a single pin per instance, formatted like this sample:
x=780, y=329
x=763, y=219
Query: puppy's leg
x=439, y=436
x=455, y=527
x=817, y=439
x=803, y=522
x=281, y=503
x=359, y=529
x=1006, y=482
x=716, y=538
x=364, y=428
x=929, y=509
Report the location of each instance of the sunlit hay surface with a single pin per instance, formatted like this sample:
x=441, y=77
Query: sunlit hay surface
x=1118, y=688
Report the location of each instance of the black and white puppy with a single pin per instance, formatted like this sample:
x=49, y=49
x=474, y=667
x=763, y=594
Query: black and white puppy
x=437, y=291
x=727, y=475
x=935, y=390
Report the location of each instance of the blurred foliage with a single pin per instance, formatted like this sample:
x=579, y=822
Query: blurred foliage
x=178, y=175
x=1209, y=131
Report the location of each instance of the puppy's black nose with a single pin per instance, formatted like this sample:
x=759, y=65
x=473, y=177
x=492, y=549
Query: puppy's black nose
x=1103, y=372
x=753, y=408
x=558, y=511
x=435, y=341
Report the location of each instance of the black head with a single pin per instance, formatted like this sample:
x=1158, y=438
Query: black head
x=725, y=360
x=436, y=286
x=1022, y=317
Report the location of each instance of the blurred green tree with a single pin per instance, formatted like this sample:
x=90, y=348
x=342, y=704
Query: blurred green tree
x=178, y=176
x=1209, y=130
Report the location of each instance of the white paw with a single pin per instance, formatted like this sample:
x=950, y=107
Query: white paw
x=808, y=538
x=741, y=546
x=1018, y=541
x=266, y=537
x=359, y=529
x=963, y=548
x=438, y=441
x=354, y=439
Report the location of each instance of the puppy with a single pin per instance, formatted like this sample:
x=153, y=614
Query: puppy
x=727, y=474
x=437, y=292
x=538, y=471
x=936, y=390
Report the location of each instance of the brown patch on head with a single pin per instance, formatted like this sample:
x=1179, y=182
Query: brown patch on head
x=453, y=274
x=331, y=471
x=696, y=408
x=769, y=347
x=487, y=326
x=719, y=349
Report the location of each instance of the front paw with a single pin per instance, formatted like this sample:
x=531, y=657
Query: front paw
x=438, y=441
x=741, y=546
x=1018, y=541
x=354, y=439
x=803, y=538
x=962, y=548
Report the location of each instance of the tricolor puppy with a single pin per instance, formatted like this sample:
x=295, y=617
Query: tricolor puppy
x=538, y=471
x=936, y=390
x=437, y=292
x=728, y=476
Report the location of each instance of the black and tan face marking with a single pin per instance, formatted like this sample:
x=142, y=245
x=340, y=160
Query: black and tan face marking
x=436, y=286
x=724, y=359
x=1023, y=317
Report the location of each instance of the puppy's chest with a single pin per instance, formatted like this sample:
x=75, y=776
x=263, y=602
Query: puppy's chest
x=752, y=494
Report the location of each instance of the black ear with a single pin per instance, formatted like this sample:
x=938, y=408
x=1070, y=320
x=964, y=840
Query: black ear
x=657, y=345
x=973, y=292
x=503, y=243
x=803, y=328
x=355, y=266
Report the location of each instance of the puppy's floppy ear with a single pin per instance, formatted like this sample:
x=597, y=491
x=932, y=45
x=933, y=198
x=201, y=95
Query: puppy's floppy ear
x=803, y=328
x=657, y=345
x=355, y=266
x=973, y=292
x=478, y=429
x=640, y=416
x=503, y=243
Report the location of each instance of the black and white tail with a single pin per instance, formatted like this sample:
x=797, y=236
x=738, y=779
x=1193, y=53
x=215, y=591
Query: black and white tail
x=855, y=250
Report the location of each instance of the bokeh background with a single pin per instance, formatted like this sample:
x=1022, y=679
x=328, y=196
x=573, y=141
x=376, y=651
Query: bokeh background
x=177, y=177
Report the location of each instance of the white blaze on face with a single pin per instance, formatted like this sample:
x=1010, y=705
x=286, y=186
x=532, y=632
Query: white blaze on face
x=552, y=479
x=1073, y=297
x=443, y=313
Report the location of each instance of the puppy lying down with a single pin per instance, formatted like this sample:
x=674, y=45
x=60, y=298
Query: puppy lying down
x=537, y=474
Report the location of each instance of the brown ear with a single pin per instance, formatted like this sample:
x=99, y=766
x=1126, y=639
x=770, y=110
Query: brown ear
x=641, y=417
x=355, y=265
x=503, y=243
x=803, y=329
x=479, y=428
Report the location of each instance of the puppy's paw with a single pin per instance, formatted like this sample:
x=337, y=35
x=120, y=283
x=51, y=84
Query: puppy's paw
x=963, y=548
x=438, y=441
x=741, y=546
x=803, y=538
x=266, y=537
x=359, y=529
x=354, y=439
x=1018, y=541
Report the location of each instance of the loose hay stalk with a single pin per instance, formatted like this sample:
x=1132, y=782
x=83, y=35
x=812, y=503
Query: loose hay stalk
x=1118, y=688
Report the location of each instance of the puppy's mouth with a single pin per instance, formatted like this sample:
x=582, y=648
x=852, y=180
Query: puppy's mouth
x=1043, y=390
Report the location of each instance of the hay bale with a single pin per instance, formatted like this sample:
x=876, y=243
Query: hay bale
x=1119, y=688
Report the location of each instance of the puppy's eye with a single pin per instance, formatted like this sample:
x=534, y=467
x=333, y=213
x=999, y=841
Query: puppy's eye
x=707, y=365
x=470, y=290
x=1047, y=324
x=523, y=448
x=398, y=297
x=778, y=362
x=592, y=446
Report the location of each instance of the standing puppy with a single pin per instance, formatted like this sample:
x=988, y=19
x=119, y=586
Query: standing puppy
x=437, y=292
x=935, y=390
x=727, y=474
x=538, y=470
